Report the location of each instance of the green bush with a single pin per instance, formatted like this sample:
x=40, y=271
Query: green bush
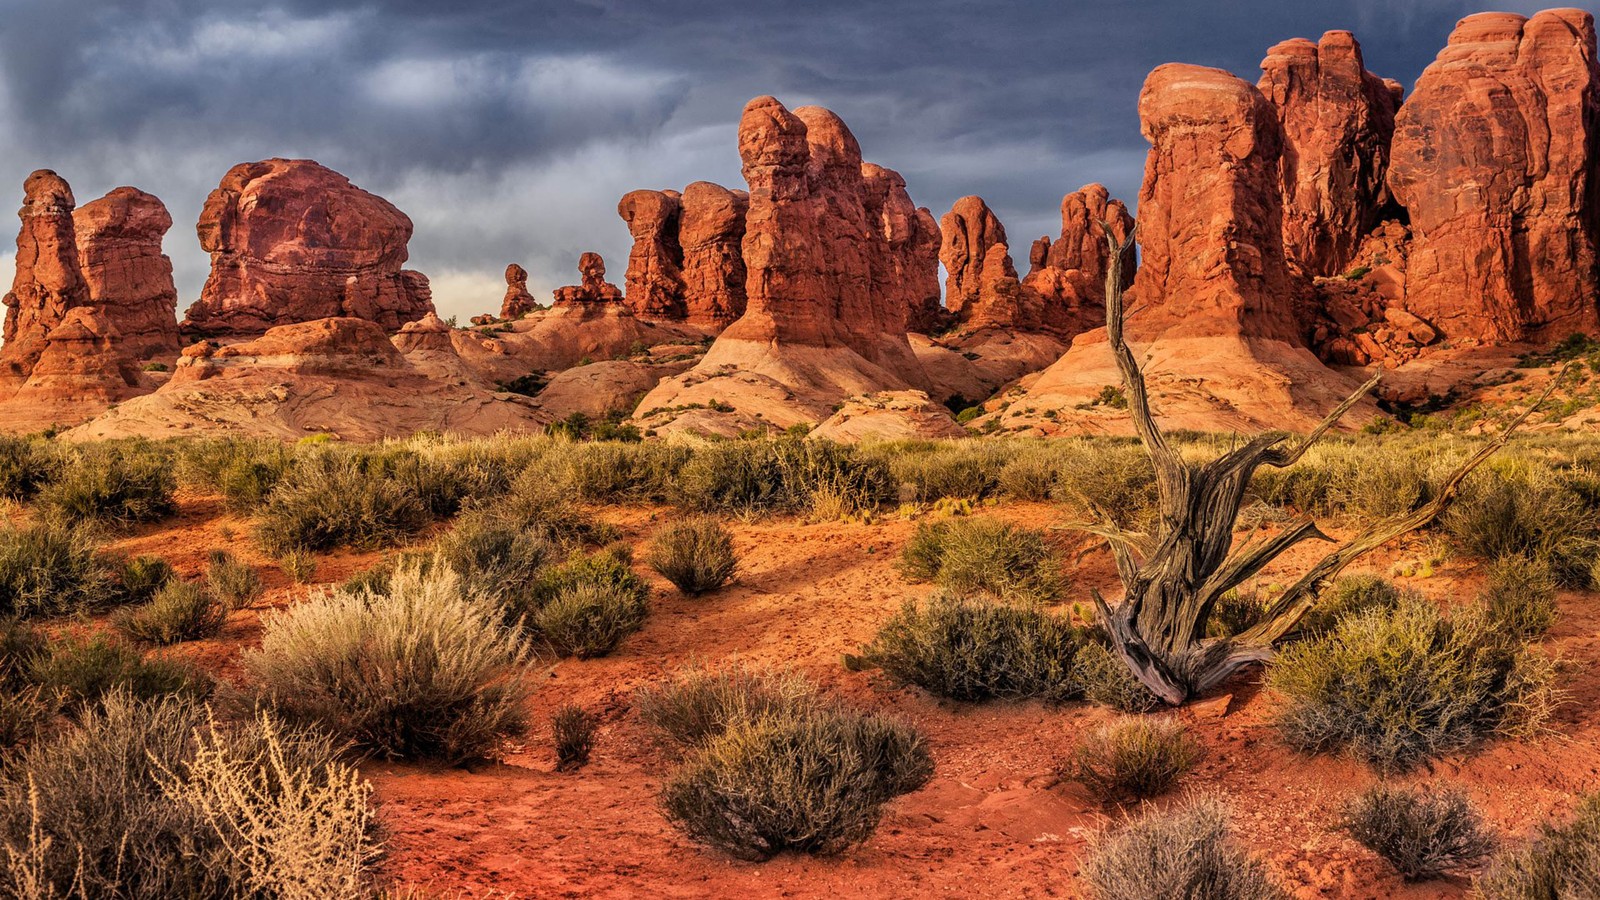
x=27, y=465
x=331, y=500
x=1347, y=596
x=151, y=800
x=1562, y=861
x=1520, y=596
x=299, y=565
x=960, y=469
x=978, y=650
x=779, y=475
x=243, y=470
x=425, y=668
x=141, y=577
x=1030, y=475
x=1109, y=481
x=1107, y=681
x=701, y=703
x=119, y=484
x=1185, y=852
x=180, y=611
x=1530, y=513
x=696, y=555
x=49, y=568
x=233, y=583
x=25, y=709
x=1396, y=688
x=1424, y=832
x=541, y=507
x=1132, y=759
x=496, y=558
x=608, y=567
x=572, y=730
x=76, y=672
x=812, y=782
x=590, y=619
x=1009, y=561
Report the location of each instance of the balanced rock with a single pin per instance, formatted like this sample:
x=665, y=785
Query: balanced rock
x=1337, y=120
x=518, y=302
x=711, y=235
x=654, y=285
x=1494, y=159
x=48, y=278
x=130, y=280
x=592, y=286
x=292, y=241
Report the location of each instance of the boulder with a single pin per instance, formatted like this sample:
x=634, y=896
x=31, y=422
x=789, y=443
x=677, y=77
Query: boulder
x=130, y=280
x=1494, y=157
x=48, y=278
x=292, y=241
x=889, y=416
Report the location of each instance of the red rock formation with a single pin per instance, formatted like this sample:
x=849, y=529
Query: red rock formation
x=1337, y=121
x=129, y=278
x=592, y=286
x=427, y=333
x=48, y=280
x=292, y=241
x=711, y=234
x=518, y=302
x=85, y=360
x=1069, y=274
x=654, y=281
x=1210, y=211
x=1494, y=157
x=981, y=285
x=906, y=272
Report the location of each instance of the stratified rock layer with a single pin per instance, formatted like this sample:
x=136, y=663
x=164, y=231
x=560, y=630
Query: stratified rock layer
x=48, y=279
x=1494, y=157
x=1337, y=120
x=292, y=241
x=129, y=278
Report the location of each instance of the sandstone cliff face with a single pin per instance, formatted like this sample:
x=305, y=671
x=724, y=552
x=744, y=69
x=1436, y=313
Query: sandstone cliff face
x=518, y=302
x=592, y=286
x=48, y=280
x=1069, y=273
x=82, y=370
x=292, y=241
x=905, y=272
x=981, y=285
x=711, y=234
x=1211, y=211
x=653, y=285
x=129, y=278
x=1337, y=120
x=1494, y=157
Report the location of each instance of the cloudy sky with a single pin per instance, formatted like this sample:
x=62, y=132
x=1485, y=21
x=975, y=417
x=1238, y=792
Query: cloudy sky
x=508, y=129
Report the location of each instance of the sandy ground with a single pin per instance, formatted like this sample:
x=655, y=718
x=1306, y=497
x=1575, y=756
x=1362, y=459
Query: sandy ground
x=993, y=822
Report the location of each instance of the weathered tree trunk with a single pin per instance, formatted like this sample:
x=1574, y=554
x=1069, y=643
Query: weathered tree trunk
x=1174, y=576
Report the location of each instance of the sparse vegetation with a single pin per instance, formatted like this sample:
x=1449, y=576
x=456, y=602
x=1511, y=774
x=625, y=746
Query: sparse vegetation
x=331, y=500
x=1132, y=759
x=116, y=484
x=985, y=555
x=1107, y=682
x=75, y=672
x=234, y=584
x=1185, y=851
x=423, y=669
x=1519, y=596
x=180, y=611
x=968, y=649
x=701, y=703
x=572, y=730
x=49, y=568
x=1561, y=861
x=696, y=555
x=1424, y=832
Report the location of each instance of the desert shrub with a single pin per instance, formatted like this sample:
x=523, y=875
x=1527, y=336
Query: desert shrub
x=1107, y=681
x=425, y=668
x=25, y=710
x=696, y=555
x=232, y=582
x=610, y=566
x=1526, y=512
x=612, y=471
x=299, y=565
x=812, y=781
x=1185, y=851
x=331, y=500
x=972, y=650
x=139, y=578
x=1030, y=475
x=496, y=558
x=1132, y=759
x=48, y=568
x=1520, y=596
x=1424, y=832
x=243, y=470
x=155, y=800
x=120, y=484
x=180, y=611
x=572, y=730
x=988, y=555
x=1349, y=595
x=590, y=619
x=779, y=475
x=1562, y=861
x=961, y=469
x=27, y=465
x=1395, y=688
x=1111, y=481
x=76, y=672
x=541, y=507
x=1234, y=612
x=701, y=703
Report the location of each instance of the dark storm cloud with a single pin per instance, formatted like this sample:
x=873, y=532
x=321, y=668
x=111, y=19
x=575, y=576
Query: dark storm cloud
x=508, y=129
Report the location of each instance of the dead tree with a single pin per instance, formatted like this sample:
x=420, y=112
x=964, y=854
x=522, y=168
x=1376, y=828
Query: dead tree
x=1174, y=576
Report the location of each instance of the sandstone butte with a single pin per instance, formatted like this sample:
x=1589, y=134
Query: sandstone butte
x=1315, y=218
x=292, y=241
